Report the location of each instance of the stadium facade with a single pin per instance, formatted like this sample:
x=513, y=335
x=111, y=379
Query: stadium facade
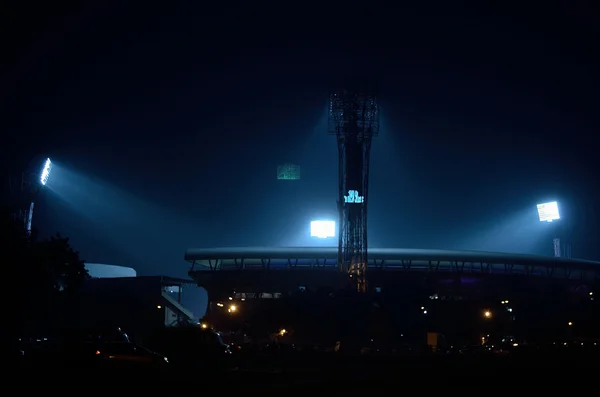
x=410, y=291
x=284, y=269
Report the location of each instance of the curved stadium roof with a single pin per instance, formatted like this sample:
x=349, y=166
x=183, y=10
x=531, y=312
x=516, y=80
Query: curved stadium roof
x=389, y=258
x=102, y=270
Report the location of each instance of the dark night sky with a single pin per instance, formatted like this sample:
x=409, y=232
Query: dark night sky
x=167, y=123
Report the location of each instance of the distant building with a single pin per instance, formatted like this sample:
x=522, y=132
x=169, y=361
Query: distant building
x=116, y=297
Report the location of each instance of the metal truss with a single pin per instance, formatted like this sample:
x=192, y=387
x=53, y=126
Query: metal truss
x=565, y=269
x=354, y=120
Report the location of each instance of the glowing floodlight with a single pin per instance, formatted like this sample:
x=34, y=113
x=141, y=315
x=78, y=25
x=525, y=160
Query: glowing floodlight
x=548, y=212
x=46, y=172
x=322, y=229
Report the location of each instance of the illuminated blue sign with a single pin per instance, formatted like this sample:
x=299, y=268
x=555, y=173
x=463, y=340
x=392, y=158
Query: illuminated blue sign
x=353, y=197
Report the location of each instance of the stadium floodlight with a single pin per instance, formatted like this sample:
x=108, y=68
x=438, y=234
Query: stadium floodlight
x=46, y=172
x=548, y=212
x=322, y=229
x=44, y=175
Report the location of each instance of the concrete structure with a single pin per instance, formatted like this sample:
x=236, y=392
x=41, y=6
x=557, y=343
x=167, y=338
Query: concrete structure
x=138, y=305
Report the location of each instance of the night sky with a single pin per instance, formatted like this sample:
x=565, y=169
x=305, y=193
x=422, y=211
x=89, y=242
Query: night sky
x=167, y=122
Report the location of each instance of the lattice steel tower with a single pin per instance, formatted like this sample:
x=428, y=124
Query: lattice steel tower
x=354, y=120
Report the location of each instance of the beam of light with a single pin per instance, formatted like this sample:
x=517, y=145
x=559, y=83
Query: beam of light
x=46, y=172
x=107, y=222
x=516, y=233
x=316, y=153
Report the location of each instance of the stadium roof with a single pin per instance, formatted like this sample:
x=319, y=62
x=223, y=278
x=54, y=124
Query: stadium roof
x=202, y=256
x=103, y=270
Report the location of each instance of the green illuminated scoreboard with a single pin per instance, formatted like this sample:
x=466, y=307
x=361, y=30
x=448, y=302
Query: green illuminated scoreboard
x=288, y=172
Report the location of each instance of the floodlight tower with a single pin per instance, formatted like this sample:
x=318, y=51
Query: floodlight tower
x=548, y=212
x=26, y=192
x=354, y=120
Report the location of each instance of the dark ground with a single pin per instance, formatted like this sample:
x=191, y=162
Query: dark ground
x=457, y=374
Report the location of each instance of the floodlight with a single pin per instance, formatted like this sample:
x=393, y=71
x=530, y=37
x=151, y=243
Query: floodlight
x=548, y=212
x=46, y=172
x=322, y=229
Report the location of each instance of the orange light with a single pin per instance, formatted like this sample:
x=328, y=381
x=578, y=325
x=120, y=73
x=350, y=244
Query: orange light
x=97, y=351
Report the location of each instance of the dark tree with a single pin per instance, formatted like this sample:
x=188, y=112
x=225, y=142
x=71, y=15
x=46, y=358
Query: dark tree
x=62, y=269
x=44, y=275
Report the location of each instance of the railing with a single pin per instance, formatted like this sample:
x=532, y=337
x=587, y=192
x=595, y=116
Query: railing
x=550, y=269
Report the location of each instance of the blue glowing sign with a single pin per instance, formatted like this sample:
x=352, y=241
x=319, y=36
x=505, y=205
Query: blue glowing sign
x=353, y=197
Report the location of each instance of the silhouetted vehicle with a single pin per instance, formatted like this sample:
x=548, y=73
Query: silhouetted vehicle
x=38, y=350
x=83, y=348
x=192, y=346
x=118, y=354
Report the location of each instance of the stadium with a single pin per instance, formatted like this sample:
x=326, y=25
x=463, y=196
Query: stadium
x=384, y=297
x=464, y=295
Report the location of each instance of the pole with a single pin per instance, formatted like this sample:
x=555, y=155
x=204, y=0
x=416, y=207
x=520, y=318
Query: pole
x=557, y=250
x=558, y=239
x=29, y=218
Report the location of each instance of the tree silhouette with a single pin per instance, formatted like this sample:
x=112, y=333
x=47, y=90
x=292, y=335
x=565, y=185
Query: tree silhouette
x=47, y=275
x=60, y=266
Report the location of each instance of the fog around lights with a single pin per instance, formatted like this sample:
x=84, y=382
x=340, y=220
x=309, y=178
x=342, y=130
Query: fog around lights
x=322, y=229
x=46, y=172
x=548, y=212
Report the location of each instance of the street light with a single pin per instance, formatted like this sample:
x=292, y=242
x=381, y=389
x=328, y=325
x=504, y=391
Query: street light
x=548, y=212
